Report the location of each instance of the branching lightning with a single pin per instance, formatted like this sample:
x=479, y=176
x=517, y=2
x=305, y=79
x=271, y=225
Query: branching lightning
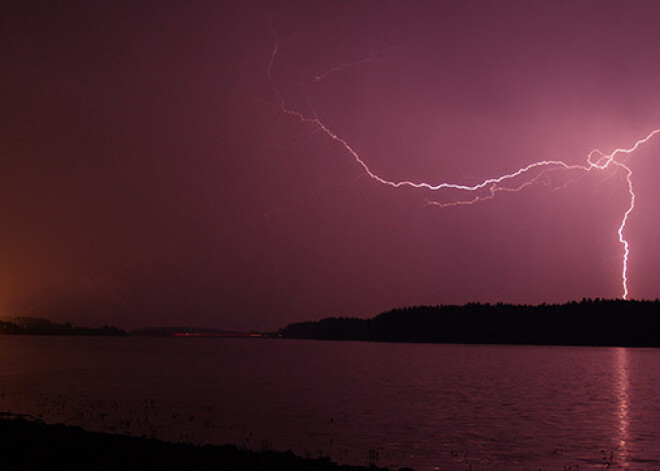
x=487, y=189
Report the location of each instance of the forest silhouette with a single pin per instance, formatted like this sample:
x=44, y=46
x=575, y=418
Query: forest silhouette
x=590, y=322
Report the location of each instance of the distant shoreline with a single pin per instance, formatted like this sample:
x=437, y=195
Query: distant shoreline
x=41, y=326
x=589, y=323
x=33, y=445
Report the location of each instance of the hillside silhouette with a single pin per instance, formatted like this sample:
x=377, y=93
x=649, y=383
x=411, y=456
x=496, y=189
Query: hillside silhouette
x=41, y=326
x=591, y=322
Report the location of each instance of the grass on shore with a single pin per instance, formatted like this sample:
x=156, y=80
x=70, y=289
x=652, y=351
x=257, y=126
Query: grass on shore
x=31, y=445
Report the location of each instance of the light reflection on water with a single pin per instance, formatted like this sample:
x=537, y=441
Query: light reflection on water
x=424, y=406
x=623, y=403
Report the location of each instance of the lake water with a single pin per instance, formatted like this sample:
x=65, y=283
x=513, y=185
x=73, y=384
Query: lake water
x=424, y=406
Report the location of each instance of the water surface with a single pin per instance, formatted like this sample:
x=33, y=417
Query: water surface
x=419, y=405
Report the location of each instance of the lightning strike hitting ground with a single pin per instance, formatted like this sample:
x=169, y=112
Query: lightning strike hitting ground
x=530, y=174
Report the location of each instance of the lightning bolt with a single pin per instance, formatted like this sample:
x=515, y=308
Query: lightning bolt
x=530, y=174
x=341, y=67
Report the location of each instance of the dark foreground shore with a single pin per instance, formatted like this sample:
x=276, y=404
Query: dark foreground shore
x=32, y=445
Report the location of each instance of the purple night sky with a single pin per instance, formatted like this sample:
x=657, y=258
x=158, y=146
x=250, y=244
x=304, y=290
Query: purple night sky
x=148, y=175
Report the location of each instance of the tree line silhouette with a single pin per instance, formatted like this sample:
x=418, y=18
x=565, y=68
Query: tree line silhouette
x=593, y=322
